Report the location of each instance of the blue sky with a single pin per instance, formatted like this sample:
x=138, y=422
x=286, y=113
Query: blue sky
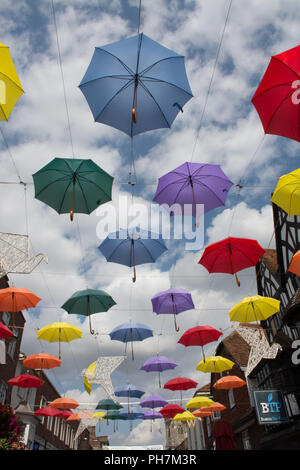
x=231, y=135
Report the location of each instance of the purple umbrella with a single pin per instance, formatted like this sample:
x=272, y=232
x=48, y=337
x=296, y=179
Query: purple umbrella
x=152, y=414
x=158, y=363
x=193, y=183
x=172, y=301
x=153, y=401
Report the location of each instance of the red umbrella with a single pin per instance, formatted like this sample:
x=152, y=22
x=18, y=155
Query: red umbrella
x=199, y=336
x=48, y=411
x=65, y=413
x=169, y=411
x=26, y=381
x=231, y=255
x=180, y=383
x=224, y=435
x=277, y=98
x=4, y=331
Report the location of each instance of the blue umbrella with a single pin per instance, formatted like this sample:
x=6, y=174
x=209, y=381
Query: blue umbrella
x=131, y=332
x=136, y=72
x=129, y=391
x=132, y=247
x=134, y=413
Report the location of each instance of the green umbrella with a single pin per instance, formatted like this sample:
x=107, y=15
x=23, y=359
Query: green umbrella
x=89, y=301
x=108, y=405
x=114, y=415
x=72, y=185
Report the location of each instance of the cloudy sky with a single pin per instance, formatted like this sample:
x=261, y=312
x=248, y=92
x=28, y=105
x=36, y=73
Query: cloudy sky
x=219, y=125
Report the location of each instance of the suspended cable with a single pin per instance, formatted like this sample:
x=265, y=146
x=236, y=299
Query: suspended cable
x=139, y=16
x=10, y=155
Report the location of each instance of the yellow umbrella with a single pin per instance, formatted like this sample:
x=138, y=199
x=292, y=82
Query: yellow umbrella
x=254, y=308
x=287, y=193
x=10, y=86
x=58, y=332
x=185, y=416
x=87, y=384
x=99, y=415
x=199, y=402
x=215, y=364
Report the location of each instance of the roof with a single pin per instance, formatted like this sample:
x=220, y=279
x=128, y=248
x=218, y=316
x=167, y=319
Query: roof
x=237, y=348
x=203, y=390
x=270, y=260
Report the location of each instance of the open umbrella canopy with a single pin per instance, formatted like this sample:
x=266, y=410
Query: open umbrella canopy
x=87, y=302
x=274, y=99
x=12, y=88
x=15, y=299
x=59, y=332
x=215, y=364
x=172, y=301
x=294, y=266
x=199, y=336
x=74, y=417
x=72, y=185
x=228, y=382
x=130, y=332
x=192, y=184
x=201, y=414
x=231, y=255
x=41, y=361
x=49, y=411
x=159, y=364
x=5, y=332
x=287, y=193
x=224, y=435
x=180, y=383
x=185, y=416
x=136, y=85
x=108, y=404
x=152, y=414
x=153, y=401
x=169, y=411
x=26, y=381
x=214, y=407
x=199, y=402
x=256, y=308
x=64, y=403
x=113, y=415
x=132, y=247
x=130, y=391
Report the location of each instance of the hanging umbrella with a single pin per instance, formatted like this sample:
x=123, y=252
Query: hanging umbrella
x=70, y=185
x=136, y=77
x=172, y=301
x=129, y=391
x=5, y=332
x=15, y=299
x=41, y=361
x=224, y=435
x=10, y=88
x=199, y=336
x=228, y=382
x=274, y=99
x=287, y=193
x=180, y=383
x=153, y=401
x=58, y=332
x=87, y=302
x=201, y=413
x=108, y=404
x=152, y=415
x=115, y=416
x=74, y=417
x=64, y=403
x=294, y=266
x=132, y=247
x=231, y=255
x=65, y=413
x=185, y=416
x=199, y=402
x=48, y=411
x=214, y=408
x=130, y=332
x=134, y=413
x=169, y=411
x=256, y=308
x=215, y=364
x=26, y=381
x=192, y=184
x=159, y=364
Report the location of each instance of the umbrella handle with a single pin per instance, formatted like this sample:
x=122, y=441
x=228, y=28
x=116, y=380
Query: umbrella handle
x=134, y=108
x=203, y=353
x=195, y=203
x=91, y=330
x=134, y=115
x=73, y=200
x=134, y=274
x=132, y=353
x=176, y=326
x=237, y=280
x=159, y=382
x=133, y=262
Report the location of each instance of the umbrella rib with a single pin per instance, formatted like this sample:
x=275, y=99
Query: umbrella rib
x=64, y=195
x=112, y=253
x=288, y=96
x=150, y=94
x=49, y=184
x=84, y=197
x=95, y=184
x=116, y=94
x=118, y=59
x=272, y=88
x=153, y=240
x=157, y=80
x=159, y=61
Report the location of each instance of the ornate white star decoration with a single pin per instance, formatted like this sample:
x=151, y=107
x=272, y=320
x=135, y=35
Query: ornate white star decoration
x=101, y=372
x=85, y=423
x=260, y=348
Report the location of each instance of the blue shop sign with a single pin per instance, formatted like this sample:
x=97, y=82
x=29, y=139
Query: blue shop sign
x=270, y=407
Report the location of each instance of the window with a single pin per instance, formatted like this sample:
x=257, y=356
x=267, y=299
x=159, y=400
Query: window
x=12, y=345
x=43, y=404
x=6, y=318
x=292, y=405
x=246, y=440
x=208, y=427
x=231, y=398
x=3, y=391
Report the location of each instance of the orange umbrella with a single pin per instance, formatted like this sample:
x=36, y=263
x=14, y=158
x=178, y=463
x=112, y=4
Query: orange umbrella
x=201, y=413
x=74, y=417
x=228, y=382
x=15, y=299
x=294, y=266
x=41, y=361
x=64, y=403
x=215, y=407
